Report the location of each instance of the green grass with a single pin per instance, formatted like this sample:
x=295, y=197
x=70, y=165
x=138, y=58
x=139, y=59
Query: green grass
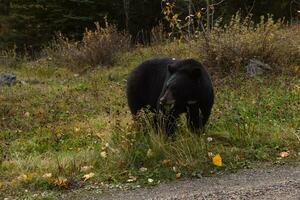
x=66, y=123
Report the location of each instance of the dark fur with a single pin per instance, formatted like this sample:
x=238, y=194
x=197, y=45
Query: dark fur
x=157, y=82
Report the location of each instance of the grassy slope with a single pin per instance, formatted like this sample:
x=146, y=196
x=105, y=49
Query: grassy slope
x=71, y=122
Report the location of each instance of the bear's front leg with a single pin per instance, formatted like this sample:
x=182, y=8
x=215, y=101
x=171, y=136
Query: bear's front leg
x=194, y=118
x=166, y=119
x=169, y=125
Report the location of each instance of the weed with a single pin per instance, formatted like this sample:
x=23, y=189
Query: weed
x=54, y=134
x=230, y=48
x=99, y=47
x=9, y=57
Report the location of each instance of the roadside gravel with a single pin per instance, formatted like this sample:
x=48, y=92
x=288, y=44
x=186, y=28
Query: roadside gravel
x=276, y=183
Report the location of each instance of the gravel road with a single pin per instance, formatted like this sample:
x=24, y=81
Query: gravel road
x=281, y=182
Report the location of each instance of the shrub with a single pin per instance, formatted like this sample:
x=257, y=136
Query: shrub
x=10, y=58
x=99, y=47
x=231, y=47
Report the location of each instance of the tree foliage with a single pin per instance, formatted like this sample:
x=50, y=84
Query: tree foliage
x=32, y=23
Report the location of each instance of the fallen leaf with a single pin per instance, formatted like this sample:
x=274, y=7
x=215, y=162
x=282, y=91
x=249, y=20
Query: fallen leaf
x=22, y=177
x=143, y=169
x=217, y=160
x=47, y=175
x=86, y=168
x=284, y=154
x=27, y=114
x=209, y=139
x=103, y=154
x=100, y=135
x=131, y=179
x=61, y=182
x=166, y=162
x=120, y=163
x=88, y=176
x=150, y=180
x=174, y=169
x=76, y=129
x=149, y=153
x=178, y=175
x=124, y=173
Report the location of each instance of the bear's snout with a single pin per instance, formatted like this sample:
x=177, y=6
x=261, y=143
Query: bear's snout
x=167, y=98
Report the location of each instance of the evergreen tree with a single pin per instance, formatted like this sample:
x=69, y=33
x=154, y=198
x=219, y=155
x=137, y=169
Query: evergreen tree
x=31, y=23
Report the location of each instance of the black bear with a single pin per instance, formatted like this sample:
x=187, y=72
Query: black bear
x=171, y=87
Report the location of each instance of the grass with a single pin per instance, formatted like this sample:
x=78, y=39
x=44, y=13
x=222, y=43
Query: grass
x=53, y=134
x=74, y=131
x=97, y=47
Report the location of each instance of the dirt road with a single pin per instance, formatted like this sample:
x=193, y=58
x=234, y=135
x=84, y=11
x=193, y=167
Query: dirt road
x=281, y=182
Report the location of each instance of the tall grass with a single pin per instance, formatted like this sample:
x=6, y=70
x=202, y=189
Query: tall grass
x=53, y=134
x=10, y=57
x=98, y=47
x=231, y=47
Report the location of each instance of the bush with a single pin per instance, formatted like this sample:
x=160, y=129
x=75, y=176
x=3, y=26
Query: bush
x=99, y=47
x=10, y=58
x=231, y=47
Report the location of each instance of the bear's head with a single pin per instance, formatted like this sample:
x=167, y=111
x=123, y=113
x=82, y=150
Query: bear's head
x=183, y=83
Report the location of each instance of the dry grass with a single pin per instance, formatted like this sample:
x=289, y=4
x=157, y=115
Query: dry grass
x=98, y=47
x=73, y=122
x=231, y=47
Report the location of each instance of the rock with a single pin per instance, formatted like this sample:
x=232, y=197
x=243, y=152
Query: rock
x=256, y=67
x=8, y=79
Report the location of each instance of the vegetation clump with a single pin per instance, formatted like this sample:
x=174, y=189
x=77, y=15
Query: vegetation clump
x=231, y=47
x=77, y=131
x=98, y=47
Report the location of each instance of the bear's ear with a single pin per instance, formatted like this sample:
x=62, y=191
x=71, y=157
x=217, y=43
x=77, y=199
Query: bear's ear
x=171, y=68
